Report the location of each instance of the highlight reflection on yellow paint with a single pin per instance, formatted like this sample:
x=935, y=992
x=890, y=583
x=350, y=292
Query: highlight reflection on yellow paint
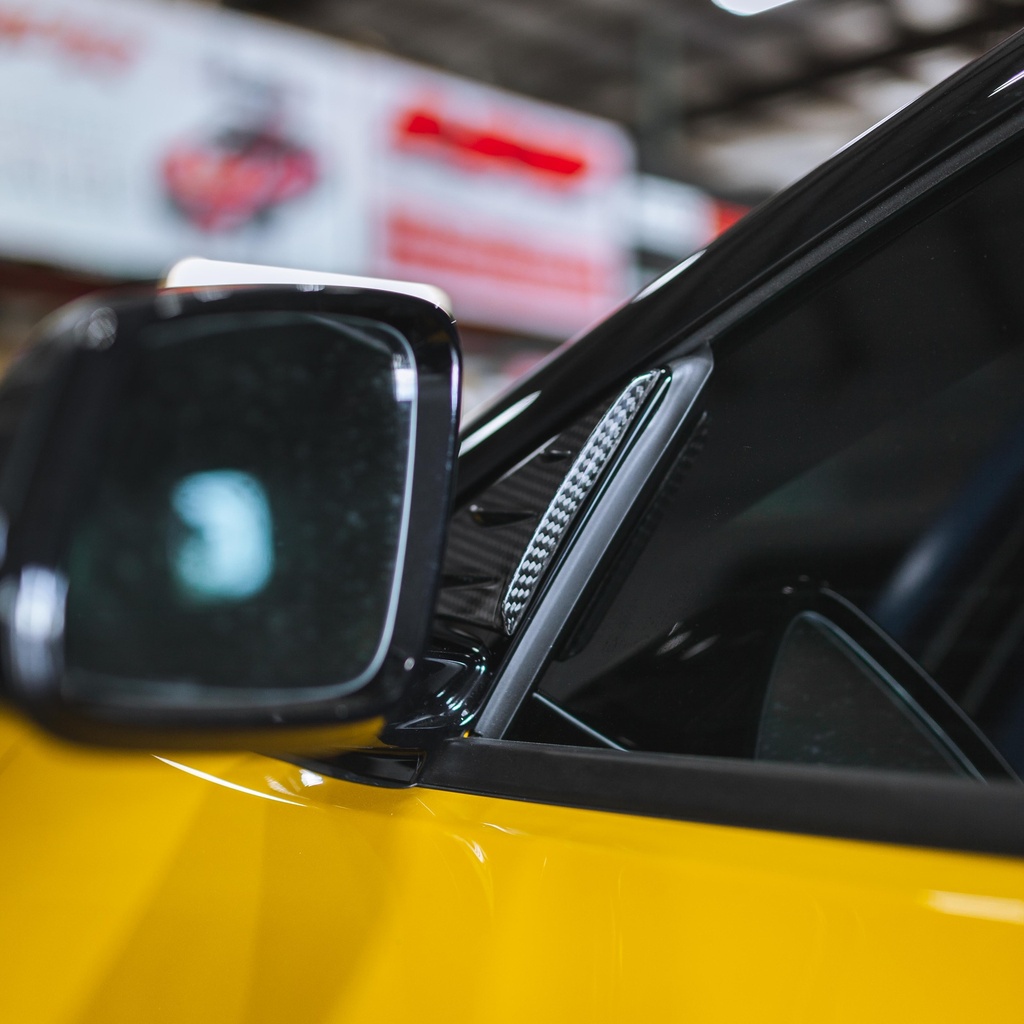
x=967, y=904
x=206, y=777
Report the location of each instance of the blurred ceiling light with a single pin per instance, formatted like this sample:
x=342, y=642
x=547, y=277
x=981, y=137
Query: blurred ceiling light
x=934, y=15
x=769, y=54
x=933, y=66
x=852, y=29
x=828, y=115
x=877, y=94
x=746, y=7
x=761, y=162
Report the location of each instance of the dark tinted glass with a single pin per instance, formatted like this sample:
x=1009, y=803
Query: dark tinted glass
x=826, y=703
x=867, y=434
x=245, y=525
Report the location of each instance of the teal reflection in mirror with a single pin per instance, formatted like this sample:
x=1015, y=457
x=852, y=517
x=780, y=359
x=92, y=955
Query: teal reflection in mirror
x=243, y=531
x=224, y=550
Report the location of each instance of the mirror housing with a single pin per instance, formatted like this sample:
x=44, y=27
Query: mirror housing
x=224, y=513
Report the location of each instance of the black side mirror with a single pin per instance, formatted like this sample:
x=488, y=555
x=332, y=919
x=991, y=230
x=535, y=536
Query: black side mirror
x=225, y=511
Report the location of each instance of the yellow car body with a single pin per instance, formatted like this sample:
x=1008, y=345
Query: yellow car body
x=240, y=888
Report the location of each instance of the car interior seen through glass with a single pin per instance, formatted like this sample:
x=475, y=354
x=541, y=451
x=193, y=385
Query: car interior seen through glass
x=865, y=437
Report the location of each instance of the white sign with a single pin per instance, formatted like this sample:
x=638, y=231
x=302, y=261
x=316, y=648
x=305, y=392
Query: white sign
x=134, y=134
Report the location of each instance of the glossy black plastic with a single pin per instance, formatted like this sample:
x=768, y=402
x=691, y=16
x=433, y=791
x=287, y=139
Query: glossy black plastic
x=918, y=810
x=914, y=151
x=53, y=396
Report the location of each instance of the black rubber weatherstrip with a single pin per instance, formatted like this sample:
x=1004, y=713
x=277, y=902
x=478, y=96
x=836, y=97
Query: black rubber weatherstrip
x=888, y=807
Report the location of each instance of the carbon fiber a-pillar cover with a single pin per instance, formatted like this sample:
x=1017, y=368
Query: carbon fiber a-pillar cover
x=510, y=533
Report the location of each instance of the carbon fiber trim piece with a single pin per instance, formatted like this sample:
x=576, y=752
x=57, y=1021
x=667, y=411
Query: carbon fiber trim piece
x=572, y=493
x=653, y=449
x=488, y=536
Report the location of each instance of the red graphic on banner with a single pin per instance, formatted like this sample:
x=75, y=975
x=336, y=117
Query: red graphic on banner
x=418, y=243
x=236, y=178
x=425, y=130
x=70, y=39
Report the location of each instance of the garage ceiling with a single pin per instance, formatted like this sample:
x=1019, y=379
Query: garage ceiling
x=739, y=105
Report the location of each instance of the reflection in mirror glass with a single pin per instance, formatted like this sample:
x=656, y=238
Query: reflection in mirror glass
x=224, y=548
x=245, y=525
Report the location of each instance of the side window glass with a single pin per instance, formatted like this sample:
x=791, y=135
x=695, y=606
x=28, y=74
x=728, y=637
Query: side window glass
x=865, y=437
x=828, y=703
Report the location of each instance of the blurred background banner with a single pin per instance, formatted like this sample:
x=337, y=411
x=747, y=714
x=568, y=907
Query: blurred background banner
x=136, y=133
x=519, y=209
x=539, y=159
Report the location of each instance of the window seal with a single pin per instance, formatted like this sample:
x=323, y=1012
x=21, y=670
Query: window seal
x=841, y=803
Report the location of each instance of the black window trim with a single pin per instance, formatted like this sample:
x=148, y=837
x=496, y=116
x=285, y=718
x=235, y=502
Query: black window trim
x=842, y=803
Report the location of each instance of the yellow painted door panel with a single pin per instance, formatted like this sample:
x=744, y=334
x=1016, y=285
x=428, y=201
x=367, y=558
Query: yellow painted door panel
x=237, y=888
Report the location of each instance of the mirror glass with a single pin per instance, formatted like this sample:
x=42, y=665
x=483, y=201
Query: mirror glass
x=243, y=531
